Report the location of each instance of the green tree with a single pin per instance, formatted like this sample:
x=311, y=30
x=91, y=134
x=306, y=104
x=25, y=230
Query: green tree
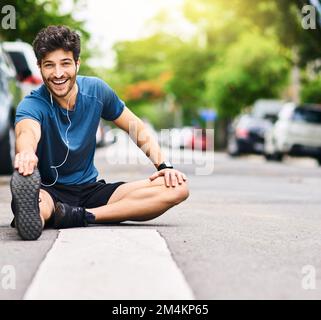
x=146, y=58
x=187, y=84
x=311, y=91
x=33, y=15
x=283, y=18
x=253, y=67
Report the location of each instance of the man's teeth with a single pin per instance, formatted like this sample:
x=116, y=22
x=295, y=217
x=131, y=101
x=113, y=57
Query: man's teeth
x=59, y=81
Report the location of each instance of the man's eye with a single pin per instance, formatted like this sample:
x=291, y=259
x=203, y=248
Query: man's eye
x=48, y=65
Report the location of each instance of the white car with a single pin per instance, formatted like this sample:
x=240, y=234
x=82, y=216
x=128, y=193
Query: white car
x=176, y=138
x=296, y=132
x=25, y=62
x=10, y=95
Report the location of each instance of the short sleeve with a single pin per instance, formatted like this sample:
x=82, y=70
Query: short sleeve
x=112, y=105
x=29, y=108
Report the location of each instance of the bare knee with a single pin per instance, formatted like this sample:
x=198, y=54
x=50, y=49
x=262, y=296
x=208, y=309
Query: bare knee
x=178, y=194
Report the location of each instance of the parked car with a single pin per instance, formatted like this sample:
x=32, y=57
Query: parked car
x=25, y=62
x=10, y=95
x=297, y=132
x=267, y=109
x=201, y=139
x=176, y=138
x=246, y=134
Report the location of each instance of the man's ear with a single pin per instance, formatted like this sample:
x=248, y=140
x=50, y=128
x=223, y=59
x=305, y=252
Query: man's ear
x=78, y=65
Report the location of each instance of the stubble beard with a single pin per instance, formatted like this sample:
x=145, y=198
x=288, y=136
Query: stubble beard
x=50, y=86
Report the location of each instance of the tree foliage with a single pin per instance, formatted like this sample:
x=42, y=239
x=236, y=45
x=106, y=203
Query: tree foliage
x=187, y=84
x=33, y=15
x=283, y=18
x=252, y=68
x=242, y=51
x=311, y=91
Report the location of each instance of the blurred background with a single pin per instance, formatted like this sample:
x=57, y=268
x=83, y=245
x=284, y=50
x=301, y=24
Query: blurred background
x=250, y=70
x=188, y=64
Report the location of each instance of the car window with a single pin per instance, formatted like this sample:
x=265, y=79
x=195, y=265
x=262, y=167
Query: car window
x=306, y=115
x=20, y=63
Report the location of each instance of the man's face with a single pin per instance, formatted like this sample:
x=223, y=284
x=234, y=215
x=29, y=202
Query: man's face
x=58, y=70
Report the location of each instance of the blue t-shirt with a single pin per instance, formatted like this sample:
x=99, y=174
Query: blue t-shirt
x=95, y=99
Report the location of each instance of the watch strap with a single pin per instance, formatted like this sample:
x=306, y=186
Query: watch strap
x=165, y=165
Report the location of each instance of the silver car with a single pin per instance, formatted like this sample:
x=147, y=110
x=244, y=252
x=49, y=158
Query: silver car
x=10, y=95
x=297, y=132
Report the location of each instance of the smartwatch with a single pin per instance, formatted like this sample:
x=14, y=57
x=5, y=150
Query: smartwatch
x=165, y=165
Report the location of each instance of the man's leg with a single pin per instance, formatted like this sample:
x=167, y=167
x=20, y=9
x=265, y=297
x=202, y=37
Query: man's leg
x=46, y=206
x=140, y=201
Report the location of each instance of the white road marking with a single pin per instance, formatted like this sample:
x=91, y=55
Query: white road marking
x=103, y=263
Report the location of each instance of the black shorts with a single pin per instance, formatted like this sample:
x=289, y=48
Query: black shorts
x=90, y=195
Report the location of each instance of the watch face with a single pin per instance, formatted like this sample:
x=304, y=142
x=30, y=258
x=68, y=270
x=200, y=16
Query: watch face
x=164, y=165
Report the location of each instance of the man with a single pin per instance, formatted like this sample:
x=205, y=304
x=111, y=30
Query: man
x=54, y=184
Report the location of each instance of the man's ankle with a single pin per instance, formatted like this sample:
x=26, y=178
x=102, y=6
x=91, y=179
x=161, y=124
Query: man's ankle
x=89, y=216
x=67, y=216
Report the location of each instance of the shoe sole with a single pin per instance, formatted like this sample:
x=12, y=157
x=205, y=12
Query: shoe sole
x=25, y=193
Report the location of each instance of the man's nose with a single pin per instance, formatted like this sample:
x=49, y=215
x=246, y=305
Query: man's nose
x=58, y=73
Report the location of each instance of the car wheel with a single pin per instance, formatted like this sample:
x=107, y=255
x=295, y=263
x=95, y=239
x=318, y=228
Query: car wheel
x=268, y=157
x=319, y=161
x=6, y=153
x=276, y=156
x=233, y=148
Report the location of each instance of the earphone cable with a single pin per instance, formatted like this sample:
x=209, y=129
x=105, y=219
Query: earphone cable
x=66, y=143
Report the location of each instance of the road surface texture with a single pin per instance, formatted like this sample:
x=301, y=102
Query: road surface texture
x=249, y=230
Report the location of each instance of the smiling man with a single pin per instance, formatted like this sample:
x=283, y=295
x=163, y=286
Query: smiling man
x=55, y=181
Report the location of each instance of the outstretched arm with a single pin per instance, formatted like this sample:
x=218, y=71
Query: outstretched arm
x=28, y=134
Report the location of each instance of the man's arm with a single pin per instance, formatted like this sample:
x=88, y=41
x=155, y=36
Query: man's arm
x=28, y=133
x=139, y=133
x=143, y=138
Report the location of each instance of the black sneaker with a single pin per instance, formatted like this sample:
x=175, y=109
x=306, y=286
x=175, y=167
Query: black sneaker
x=25, y=196
x=66, y=216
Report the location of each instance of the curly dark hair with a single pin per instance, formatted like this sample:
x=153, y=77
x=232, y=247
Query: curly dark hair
x=52, y=38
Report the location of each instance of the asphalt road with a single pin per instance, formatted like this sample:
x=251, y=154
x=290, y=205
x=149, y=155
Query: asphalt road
x=249, y=230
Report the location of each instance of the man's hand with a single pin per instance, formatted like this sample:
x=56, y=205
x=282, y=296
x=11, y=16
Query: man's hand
x=171, y=176
x=25, y=162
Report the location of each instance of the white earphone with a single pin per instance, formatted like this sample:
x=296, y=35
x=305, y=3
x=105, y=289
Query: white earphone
x=66, y=142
